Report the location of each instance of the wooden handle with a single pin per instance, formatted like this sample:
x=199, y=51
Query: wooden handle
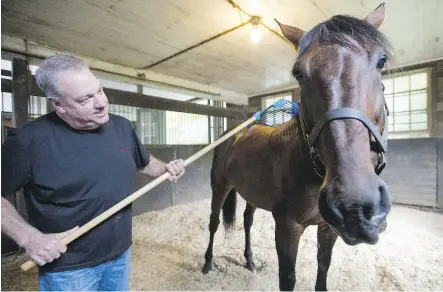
x=97, y=220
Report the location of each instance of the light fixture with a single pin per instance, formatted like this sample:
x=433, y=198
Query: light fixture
x=255, y=33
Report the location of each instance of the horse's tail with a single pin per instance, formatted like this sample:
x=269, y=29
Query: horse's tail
x=229, y=208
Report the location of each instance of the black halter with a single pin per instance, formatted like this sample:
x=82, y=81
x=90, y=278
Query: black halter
x=379, y=145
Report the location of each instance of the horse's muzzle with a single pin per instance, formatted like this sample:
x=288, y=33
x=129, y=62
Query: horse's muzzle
x=357, y=216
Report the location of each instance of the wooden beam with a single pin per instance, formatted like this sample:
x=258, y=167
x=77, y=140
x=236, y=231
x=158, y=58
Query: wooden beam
x=134, y=99
x=145, y=101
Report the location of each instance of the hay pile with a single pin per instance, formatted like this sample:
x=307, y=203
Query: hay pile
x=169, y=247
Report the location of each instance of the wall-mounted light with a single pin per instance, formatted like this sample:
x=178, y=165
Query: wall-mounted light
x=255, y=33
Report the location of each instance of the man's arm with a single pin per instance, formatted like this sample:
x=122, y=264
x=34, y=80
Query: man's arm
x=14, y=225
x=41, y=248
x=156, y=167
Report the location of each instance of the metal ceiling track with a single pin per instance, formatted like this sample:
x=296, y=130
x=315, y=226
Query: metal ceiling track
x=197, y=45
x=256, y=20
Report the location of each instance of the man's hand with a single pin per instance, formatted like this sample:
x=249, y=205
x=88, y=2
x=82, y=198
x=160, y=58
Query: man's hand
x=44, y=248
x=176, y=168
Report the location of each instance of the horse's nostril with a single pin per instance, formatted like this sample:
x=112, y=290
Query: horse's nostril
x=385, y=198
x=368, y=211
x=333, y=209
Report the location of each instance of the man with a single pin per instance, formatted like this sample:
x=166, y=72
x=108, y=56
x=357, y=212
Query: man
x=73, y=164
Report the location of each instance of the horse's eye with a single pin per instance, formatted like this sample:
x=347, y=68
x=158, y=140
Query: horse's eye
x=298, y=76
x=381, y=63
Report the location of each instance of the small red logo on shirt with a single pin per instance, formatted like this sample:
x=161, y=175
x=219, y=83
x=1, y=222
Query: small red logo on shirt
x=123, y=149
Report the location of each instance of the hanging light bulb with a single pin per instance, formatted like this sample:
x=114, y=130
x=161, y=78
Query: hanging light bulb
x=255, y=32
x=255, y=35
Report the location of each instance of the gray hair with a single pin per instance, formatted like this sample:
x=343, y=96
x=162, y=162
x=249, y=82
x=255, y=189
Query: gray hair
x=46, y=74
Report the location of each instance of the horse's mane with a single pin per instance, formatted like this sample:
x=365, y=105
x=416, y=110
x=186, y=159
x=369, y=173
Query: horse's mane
x=338, y=30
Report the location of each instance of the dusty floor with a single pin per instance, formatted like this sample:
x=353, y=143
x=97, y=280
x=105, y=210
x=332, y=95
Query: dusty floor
x=169, y=247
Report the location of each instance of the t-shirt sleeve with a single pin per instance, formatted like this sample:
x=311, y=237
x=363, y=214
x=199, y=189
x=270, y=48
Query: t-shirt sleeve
x=15, y=165
x=140, y=153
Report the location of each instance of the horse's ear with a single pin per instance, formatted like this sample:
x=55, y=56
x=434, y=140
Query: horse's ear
x=377, y=16
x=291, y=33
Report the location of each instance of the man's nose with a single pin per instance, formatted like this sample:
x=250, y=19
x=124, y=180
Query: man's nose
x=101, y=100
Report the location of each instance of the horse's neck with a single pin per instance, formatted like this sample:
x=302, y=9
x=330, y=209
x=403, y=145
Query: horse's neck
x=288, y=140
x=289, y=136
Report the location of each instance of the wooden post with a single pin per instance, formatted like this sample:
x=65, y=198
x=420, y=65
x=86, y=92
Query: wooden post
x=20, y=92
x=20, y=99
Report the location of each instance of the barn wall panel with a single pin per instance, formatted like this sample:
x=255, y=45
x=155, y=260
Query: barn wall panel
x=414, y=175
x=440, y=173
x=411, y=171
x=194, y=185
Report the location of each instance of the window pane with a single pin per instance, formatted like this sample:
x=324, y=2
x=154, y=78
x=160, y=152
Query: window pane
x=419, y=126
x=390, y=128
x=389, y=85
x=419, y=101
x=287, y=97
x=401, y=84
x=7, y=101
x=419, y=81
x=43, y=106
x=401, y=118
x=6, y=65
x=419, y=118
x=269, y=101
x=401, y=103
x=401, y=127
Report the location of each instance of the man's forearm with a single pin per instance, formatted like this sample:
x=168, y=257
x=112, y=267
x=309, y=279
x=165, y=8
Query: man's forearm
x=14, y=225
x=155, y=167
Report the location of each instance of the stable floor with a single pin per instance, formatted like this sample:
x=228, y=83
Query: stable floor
x=169, y=247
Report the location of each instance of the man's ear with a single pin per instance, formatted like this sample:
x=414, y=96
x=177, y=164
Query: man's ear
x=376, y=17
x=291, y=33
x=55, y=102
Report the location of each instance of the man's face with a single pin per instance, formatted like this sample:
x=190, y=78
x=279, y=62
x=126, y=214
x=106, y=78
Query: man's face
x=84, y=104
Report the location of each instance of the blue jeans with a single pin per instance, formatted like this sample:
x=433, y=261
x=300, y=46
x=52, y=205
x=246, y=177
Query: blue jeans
x=109, y=276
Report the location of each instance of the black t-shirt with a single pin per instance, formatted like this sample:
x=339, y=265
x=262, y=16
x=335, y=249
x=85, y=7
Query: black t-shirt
x=69, y=177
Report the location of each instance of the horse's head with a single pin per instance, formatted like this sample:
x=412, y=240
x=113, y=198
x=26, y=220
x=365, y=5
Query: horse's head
x=343, y=117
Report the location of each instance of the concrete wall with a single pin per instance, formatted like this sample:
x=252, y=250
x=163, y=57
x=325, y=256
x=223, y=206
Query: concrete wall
x=194, y=185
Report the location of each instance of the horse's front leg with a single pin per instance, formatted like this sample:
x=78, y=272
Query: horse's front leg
x=325, y=242
x=287, y=238
x=248, y=219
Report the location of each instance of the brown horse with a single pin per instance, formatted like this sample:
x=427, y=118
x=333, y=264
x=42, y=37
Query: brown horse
x=320, y=168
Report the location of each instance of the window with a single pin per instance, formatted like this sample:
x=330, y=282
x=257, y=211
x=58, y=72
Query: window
x=6, y=102
x=217, y=124
x=407, y=99
x=186, y=128
x=267, y=101
x=37, y=107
